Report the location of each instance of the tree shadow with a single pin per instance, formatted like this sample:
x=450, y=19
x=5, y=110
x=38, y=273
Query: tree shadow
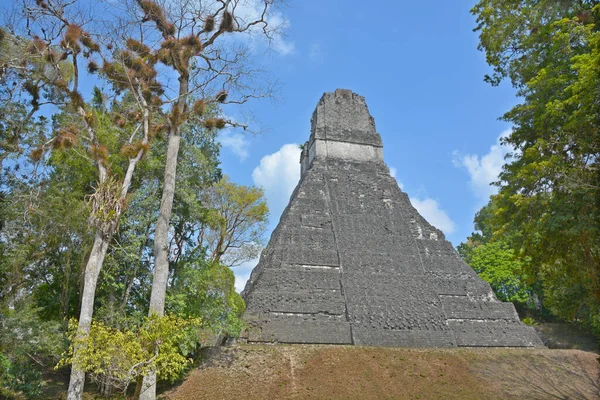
x=543, y=375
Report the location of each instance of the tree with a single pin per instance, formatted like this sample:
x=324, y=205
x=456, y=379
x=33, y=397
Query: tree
x=100, y=144
x=206, y=291
x=55, y=40
x=114, y=357
x=237, y=217
x=548, y=204
x=496, y=263
x=28, y=347
x=189, y=37
x=483, y=232
x=225, y=223
x=126, y=280
x=23, y=82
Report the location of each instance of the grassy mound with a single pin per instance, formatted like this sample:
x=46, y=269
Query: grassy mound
x=352, y=372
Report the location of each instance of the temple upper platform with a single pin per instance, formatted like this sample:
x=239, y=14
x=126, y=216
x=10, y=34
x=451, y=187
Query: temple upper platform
x=342, y=128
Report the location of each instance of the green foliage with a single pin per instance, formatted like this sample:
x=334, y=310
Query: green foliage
x=44, y=235
x=530, y=321
x=45, y=243
x=27, y=347
x=19, y=380
x=482, y=235
x=207, y=290
x=547, y=208
x=5, y=377
x=63, y=179
x=117, y=357
x=235, y=222
x=23, y=331
x=496, y=264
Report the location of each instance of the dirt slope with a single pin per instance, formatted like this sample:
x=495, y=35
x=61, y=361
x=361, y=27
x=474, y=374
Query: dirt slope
x=351, y=372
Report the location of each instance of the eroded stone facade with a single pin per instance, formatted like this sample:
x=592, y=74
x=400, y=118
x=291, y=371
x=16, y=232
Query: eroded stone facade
x=353, y=262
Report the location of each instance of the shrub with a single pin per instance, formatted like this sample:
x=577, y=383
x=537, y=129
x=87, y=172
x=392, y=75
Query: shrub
x=114, y=358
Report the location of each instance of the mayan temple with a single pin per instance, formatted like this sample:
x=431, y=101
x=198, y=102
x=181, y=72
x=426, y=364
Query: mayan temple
x=353, y=262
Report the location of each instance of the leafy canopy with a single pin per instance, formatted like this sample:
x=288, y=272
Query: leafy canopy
x=548, y=205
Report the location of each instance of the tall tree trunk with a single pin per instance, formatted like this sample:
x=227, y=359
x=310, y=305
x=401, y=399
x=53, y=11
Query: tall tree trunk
x=66, y=286
x=161, y=232
x=161, y=251
x=92, y=270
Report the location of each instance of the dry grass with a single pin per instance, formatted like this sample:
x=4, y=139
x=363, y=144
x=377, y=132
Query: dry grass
x=351, y=372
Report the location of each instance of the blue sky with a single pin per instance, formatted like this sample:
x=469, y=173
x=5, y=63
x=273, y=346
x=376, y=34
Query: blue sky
x=422, y=76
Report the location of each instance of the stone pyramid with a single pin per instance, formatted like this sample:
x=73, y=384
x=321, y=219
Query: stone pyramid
x=353, y=262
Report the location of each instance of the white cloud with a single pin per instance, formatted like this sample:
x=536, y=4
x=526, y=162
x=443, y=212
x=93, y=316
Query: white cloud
x=236, y=142
x=393, y=172
x=242, y=273
x=431, y=211
x=278, y=174
x=277, y=23
x=485, y=169
x=245, y=12
x=283, y=47
x=240, y=281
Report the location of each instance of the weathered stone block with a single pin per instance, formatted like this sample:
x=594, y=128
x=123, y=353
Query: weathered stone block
x=403, y=338
x=316, y=221
x=486, y=333
x=299, y=277
x=311, y=256
x=300, y=329
x=463, y=307
x=328, y=302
